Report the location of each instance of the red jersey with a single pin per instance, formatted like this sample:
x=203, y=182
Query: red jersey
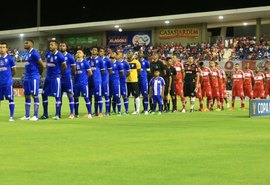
x=238, y=78
x=258, y=91
x=222, y=80
x=249, y=75
x=205, y=75
x=259, y=81
x=215, y=75
x=267, y=77
x=179, y=72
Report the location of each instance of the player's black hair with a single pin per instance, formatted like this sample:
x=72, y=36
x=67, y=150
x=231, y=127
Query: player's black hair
x=29, y=40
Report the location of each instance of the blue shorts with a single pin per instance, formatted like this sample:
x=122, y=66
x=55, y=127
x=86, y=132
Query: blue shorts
x=81, y=90
x=7, y=92
x=95, y=89
x=123, y=88
x=52, y=87
x=143, y=85
x=157, y=99
x=66, y=86
x=31, y=86
x=115, y=90
x=105, y=88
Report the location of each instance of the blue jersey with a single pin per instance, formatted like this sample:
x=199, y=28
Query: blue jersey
x=31, y=69
x=116, y=68
x=6, y=63
x=70, y=61
x=126, y=68
x=96, y=65
x=145, y=68
x=107, y=66
x=54, y=62
x=81, y=74
x=157, y=85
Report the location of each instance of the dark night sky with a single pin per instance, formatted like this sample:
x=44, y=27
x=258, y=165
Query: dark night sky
x=22, y=14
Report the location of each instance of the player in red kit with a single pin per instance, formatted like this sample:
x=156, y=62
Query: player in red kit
x=199, y=89
x=215, y=75
x=267, y=81
x=258, y=90
x=179, y=79
x=222, y=88
x=249, y=75
x=237, y=87
x=205, y=76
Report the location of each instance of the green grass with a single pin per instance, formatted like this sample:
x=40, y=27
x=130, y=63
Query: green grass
x=210, y=148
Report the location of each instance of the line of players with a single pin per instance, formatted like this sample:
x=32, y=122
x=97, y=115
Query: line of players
x=114, y=78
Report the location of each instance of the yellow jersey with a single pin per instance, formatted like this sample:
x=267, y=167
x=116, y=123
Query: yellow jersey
x=134, y=66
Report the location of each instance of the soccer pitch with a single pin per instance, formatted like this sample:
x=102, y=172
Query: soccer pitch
x=220, y=148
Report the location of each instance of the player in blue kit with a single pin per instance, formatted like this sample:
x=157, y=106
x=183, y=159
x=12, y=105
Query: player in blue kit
x=117, y=71
x=66, y=81
x=82, y=72
x=105, y=79
x=123, y=81
x=32, y=72
x=56, y=65
x=156, y=91
x=7, y=71
x=143, y=80
x=95, y=80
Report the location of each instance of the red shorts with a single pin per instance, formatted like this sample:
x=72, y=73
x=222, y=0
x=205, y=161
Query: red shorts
x=179, y=89
x=207, y=92
x=248, y=91
x=199, y=93
x=215, y=92
x=258, y=93
x=267, y=90
x=237, y=91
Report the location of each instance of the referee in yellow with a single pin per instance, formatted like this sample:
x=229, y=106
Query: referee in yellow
x=132, y=80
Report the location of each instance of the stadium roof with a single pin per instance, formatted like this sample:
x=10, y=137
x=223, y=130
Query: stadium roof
x=233, y=17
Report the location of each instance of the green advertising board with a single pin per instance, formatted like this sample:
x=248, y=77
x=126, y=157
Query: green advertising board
x=82, y=40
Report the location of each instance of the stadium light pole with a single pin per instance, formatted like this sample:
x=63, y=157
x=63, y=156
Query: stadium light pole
x=39, y=23
x=38, y=12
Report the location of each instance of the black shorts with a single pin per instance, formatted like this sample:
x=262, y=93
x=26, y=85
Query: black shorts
x=189, y=89
x=172, y=92
x=166, y=90
x=133, y=88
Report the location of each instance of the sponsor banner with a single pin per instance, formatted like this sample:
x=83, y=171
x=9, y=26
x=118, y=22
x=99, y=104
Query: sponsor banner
x=252, y=64
x=82, y=40
x=179, y=33
x=262, y=64
x=259, y=107
x=228, y=66
x=128, y=37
